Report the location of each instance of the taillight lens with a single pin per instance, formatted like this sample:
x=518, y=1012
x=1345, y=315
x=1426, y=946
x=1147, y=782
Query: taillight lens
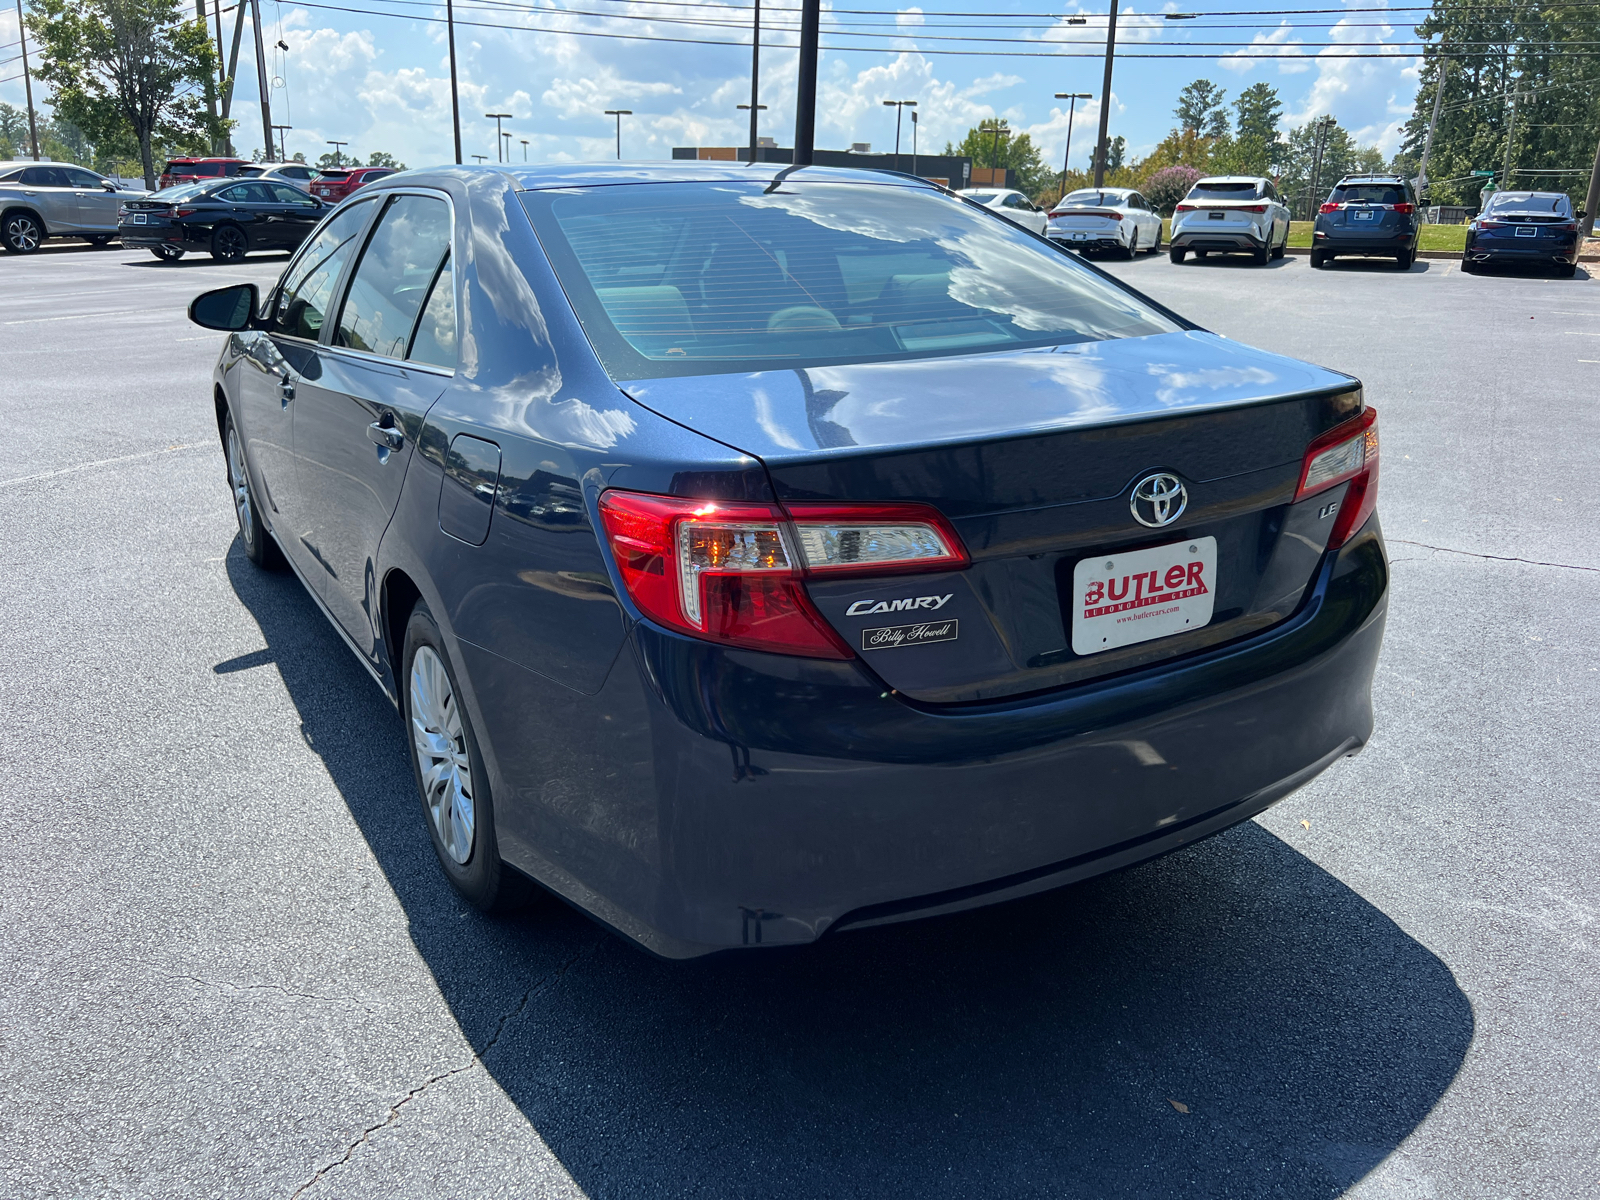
x=1328, y=208
x=184, y=212
x=1184, y=208
x=1493, y=224
x=1565, y=227
x=1113, y=216
x=1255, y=208
x=733, y=573
x=1348, y=452
x=1406, y=209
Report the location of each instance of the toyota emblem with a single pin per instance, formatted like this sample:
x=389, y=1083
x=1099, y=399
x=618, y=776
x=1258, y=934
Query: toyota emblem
x=1158, y=500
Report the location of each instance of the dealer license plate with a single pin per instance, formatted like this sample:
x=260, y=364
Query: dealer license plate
x=1120, y=599
x=1527, y=231
x=139, y=219
x=1364, y=215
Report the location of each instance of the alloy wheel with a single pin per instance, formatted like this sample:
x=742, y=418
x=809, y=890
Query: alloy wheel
x=229, y=243
x=439, y=739
x=241, y=488
x=23, y=234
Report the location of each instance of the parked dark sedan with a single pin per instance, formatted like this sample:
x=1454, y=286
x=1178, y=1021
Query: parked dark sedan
x=1533, y=228
x=229, y=219
x=824, y=552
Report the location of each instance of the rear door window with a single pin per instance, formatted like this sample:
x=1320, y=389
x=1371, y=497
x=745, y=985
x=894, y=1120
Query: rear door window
x=397, y=272
x=284, y=194
x=307, y=287
x=749, y=277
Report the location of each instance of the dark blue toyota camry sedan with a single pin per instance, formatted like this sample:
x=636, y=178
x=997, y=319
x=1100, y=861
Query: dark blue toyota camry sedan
x=754, y=553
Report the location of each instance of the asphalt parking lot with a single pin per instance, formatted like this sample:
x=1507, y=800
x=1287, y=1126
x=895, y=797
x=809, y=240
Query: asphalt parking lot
x=233, y=967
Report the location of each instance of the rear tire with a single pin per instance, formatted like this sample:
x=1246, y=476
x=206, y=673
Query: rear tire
x=1133, y=247
x=228, y=243
x=1566, y=270
x=99, y=240
x=1468, y=267
x=1156, y=249
x=450, y=775
x=1262, y=256
x=1201, y=253
x=22, y=233
x=1283, y=245
x=1318, y=259
x=1177, y=255
x=1404, y=260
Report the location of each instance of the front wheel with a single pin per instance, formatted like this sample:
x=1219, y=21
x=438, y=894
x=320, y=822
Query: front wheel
x=228, y=243
x=259, y=547
x=1177, y=255
x=22, y=233
x=449, y=770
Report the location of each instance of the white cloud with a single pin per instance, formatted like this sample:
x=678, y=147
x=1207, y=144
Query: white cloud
x=1281, y=44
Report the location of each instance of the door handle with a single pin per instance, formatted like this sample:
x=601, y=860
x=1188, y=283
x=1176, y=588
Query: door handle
x=285, y=389
x=386, y=436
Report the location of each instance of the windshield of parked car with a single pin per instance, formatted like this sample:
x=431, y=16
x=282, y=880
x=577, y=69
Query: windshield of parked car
x=1530, y=202
x=737, y=277
x=1089, y=198
x=1366, y=193
x=1210, y=189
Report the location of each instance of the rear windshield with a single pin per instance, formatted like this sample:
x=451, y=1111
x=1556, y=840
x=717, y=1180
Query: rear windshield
x=1089, y=198
x=1531, y=202
x=182, y=191
x=980, y=197
x=193, y=168
x=1212, y=190
x=1367, y=193
x=334, y=176
x=692, y=278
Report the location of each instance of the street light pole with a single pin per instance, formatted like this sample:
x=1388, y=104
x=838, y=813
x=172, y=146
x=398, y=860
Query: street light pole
x=994, y=150
x=506, y=137
x=620, y=114
x=805, y=114
x=899, y=107
x=1105, y=98
x=497, y=118
x=524, y=142
x=455, y=98
x=336, y=146
x=755, y=105
x=913, y=141
x=1072, y=99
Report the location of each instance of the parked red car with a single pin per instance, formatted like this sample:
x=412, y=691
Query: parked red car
x=198, y=170
x=333, y=186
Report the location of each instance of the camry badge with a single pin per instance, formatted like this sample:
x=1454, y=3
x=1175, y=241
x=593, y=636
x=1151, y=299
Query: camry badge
x=862, y=608
x=1158, y=500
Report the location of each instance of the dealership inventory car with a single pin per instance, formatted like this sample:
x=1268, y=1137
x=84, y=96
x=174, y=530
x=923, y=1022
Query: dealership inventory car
x=185, y=169
x=334, y=185
x=1369, y=215
x=1013, y=206
x=296, y=174
x=1105, y=219
x=819, y=554
x=50, y=200
x=1535, y=228
x=1230, y=214
x=228, y=218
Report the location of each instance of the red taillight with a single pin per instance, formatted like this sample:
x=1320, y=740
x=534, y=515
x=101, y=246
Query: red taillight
x=184, y=212
x=1565, y=227
x=1255, y=208
x=1407, y=209
x=1184, y=208
x=733, y=573
x=1348, y=452
x=1327, y=208
x=1493, y=224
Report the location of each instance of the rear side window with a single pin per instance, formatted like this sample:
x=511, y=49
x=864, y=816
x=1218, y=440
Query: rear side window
x=395, y=276
x=308, y=284
x=1208, y=189
x=1367, y=193
x=741, y=276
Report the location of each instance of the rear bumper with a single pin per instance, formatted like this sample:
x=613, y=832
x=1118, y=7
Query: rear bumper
x=1386, y=247
x=1502, y=251
x=708, y=798
x=1098, y=241
x=1190, y=237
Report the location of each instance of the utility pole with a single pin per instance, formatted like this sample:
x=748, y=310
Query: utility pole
x=1323, y=125
x=211, y=83
x=336, y=163
x=1433, y=123
x=27, y=82
x=914, y=141
x=233, y=67
x=899, y=107
x=805, y=115
x=755, y=105
x=1511, y=134
x=455, y=98
x=283, y=149
x=261, y=75
x=1593, y=198
x=1072, y=99
x=620, y=114
x=1105, y=98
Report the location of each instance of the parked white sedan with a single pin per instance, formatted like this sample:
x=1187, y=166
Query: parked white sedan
x=1013, y=206
x=1105, y=219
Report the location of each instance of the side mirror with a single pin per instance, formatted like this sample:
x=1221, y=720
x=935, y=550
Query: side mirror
x=229, y=309
x=108, y=185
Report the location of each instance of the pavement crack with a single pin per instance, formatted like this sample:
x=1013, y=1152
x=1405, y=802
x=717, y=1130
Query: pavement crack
x=1532, y=562
x=266, y=987
x=544, y=986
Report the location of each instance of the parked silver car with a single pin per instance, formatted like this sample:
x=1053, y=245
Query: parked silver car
x=47, y=200
x=296, y=174
x=1230, y=214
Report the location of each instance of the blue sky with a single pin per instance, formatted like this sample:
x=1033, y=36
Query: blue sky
x=382, y=82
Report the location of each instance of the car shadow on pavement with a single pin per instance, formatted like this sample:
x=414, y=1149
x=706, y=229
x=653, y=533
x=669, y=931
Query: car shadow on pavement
x=202, y=259
x=1229, y=1020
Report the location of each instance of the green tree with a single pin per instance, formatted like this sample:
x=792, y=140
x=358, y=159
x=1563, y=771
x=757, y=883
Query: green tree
x=1116, y=152
x=382, y=158
x=1259, y=109
x=127, y=66
x=335, y=160
x=1201, y=109
x=1012, y=150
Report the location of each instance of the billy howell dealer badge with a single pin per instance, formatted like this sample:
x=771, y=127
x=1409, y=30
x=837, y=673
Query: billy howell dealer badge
x=893, y=637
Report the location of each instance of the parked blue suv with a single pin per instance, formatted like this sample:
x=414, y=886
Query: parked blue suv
x=1369, y=215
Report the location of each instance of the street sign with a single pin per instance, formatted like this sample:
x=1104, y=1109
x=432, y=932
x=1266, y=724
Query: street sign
x=1490, y=174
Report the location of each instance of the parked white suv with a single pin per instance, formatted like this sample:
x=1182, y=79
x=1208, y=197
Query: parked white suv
x=1013, y=206
x=1230, y=214
x=49, y=199
x=1105, y=219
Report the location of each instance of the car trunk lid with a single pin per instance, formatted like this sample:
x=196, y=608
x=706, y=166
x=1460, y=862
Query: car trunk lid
x=1034, y=456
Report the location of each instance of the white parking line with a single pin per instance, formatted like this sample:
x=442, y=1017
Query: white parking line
x=76, y=317
x=103, y=462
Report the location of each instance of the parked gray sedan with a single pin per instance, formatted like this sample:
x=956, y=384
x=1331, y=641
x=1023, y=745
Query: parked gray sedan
x=47, y=200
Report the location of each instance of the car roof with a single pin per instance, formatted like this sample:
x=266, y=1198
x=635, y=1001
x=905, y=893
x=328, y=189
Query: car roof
x=1229, y=179
x=1372, y=177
